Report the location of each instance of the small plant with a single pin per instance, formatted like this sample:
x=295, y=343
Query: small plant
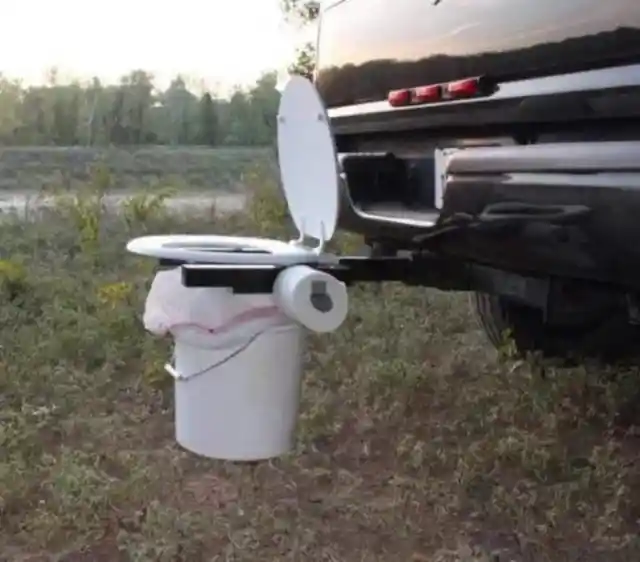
x=508, y=350
x=139, y=209
x=267, y=207
x=85, y=209
x=115, y=294
x=13, y=279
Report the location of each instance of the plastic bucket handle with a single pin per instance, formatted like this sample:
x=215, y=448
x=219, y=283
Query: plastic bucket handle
x=178, y=376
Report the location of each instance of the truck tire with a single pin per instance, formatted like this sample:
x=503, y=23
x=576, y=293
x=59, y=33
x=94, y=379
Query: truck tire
x=608, y=336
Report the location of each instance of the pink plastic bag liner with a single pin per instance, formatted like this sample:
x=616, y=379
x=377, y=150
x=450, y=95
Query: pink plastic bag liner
x=209, y=318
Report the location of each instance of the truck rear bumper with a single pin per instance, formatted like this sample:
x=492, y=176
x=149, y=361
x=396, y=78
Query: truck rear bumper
x=603, y=177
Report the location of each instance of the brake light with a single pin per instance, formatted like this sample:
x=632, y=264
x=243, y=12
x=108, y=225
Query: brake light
x=398, y=98
x=464, y=88
x=424, y=94
x=467, y=88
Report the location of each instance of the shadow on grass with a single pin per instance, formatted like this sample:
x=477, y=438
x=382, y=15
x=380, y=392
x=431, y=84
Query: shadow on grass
x=416, y=443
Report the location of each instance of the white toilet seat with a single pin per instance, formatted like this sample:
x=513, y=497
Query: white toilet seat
x=309, y=172
x=225, y=250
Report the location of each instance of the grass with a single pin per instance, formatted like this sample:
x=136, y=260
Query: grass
x=186, y=167
x=417, y=441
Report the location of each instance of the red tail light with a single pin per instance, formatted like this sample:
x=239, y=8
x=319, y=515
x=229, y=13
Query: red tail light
x=425, y=94
x=467, y=88
x=464, y=88
x=398, y=98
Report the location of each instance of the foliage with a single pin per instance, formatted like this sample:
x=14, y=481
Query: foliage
x=13, y=280
x=208, y=121
x=145, y=205
x=135, y=112
x=302, y=13
x=301, y=10
x=84, y=210
x=305, y=61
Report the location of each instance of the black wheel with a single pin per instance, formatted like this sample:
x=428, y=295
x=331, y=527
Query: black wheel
x=601, y=332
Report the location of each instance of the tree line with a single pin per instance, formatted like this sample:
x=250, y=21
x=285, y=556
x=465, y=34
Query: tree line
x=135, y=112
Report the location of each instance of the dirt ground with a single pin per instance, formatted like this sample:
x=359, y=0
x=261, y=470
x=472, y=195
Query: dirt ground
x=417, y=441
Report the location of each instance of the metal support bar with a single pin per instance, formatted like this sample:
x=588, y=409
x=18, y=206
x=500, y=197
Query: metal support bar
x=426, y=270
x=429, y=271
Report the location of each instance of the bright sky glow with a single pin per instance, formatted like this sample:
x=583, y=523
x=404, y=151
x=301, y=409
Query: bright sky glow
x=224, y=42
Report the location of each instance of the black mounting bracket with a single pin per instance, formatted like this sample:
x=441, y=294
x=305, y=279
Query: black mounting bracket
x=431, y=271
x=425, y=270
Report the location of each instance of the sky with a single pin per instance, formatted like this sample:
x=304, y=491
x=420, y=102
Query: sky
x=224, y=42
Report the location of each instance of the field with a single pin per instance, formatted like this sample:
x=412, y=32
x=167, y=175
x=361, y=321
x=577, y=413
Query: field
x=417, y=442
x=34, y=168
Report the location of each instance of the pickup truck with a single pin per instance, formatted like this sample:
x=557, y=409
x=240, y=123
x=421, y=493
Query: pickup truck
x=505, y=135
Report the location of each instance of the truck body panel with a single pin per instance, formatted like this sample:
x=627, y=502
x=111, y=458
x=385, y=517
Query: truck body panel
x=369, y=47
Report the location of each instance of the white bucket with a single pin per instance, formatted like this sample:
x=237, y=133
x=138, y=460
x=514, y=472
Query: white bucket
x=246, y=407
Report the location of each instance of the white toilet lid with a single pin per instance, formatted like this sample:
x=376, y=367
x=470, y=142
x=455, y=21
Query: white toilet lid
x=308, y=160
x=309, y=174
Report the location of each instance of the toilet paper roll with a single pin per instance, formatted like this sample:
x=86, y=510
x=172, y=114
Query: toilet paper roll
x=313, y=298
